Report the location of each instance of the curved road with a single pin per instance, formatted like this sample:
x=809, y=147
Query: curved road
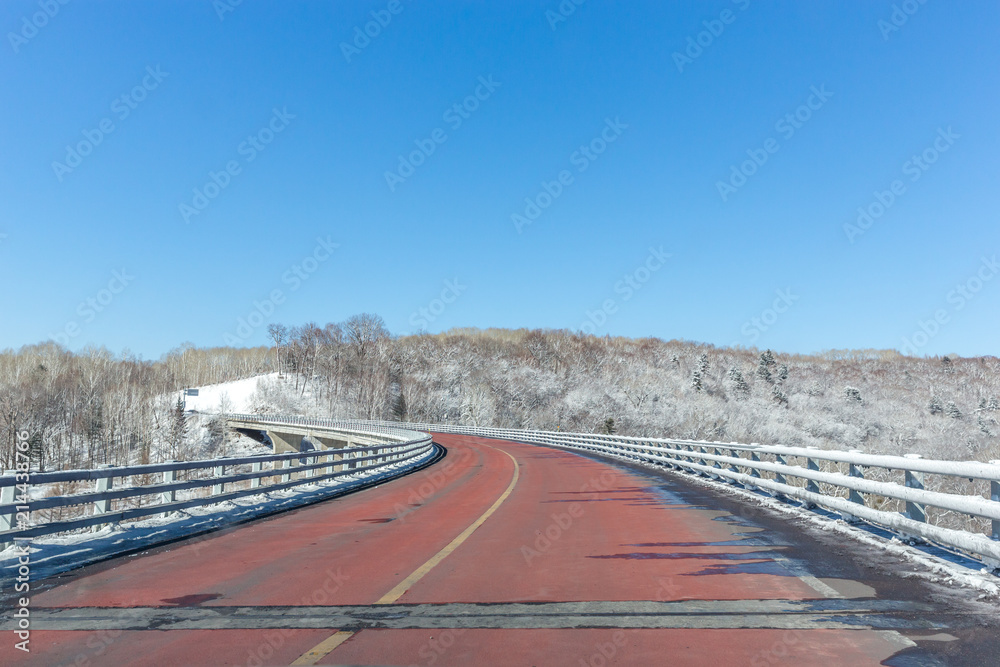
x=506, y=554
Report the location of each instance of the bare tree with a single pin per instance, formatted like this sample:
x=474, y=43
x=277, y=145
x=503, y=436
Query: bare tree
x=278, y=334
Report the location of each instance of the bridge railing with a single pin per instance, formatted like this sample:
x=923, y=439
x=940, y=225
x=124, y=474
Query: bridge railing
x=915, y=497
x=36, y=504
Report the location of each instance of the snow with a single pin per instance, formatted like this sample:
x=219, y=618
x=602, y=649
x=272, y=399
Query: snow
x=237, y=394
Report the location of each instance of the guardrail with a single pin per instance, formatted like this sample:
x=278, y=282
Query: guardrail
x=840, y=481
x=152, y=489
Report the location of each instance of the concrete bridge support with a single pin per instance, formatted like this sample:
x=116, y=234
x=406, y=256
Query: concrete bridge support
x=328, y=442
x=285, y=442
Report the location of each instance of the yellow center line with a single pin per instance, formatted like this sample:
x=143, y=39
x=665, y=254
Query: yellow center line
x=315, y=654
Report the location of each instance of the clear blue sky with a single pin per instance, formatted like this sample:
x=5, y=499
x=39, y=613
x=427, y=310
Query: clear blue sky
x=678, y=125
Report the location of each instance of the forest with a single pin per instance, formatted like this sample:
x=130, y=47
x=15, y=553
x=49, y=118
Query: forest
x=93, y=407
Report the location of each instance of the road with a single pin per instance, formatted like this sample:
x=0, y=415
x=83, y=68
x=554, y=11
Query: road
x=509, y=554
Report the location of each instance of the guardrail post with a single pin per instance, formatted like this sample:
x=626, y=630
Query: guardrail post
x=995, y=497
x=256, y=466
x=102, y=506
x=733, y=454
x=854, y=470
x=755, y=457
x=716, y=464
x=778, y=477
x=915, y=480
x=169, y=477
x=286, y=464
x=7, y=519
x=811, y=485
x=812, y=464
x=219, y=472
x=732, y=467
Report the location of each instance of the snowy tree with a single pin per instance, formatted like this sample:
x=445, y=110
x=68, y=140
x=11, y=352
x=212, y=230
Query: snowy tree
x=696, y=383
x=178, y=428
x=952, y=410
x=36, y=451
x=740, y=387
x=779, y=396
x=934, y=407
x=278, y=334
x=399, y=407
x=764, y=366
x=93, y=407
x=703, y=365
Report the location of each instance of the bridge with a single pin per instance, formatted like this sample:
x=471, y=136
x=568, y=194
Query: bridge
x=505, y=547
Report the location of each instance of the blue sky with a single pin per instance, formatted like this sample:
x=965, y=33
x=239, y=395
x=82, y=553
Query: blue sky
x=640, y=121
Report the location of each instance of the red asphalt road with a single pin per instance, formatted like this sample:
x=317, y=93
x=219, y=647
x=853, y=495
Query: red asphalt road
x=599, y=520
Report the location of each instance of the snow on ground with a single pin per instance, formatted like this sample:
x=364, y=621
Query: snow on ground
x=53, y=554
x=232, y=396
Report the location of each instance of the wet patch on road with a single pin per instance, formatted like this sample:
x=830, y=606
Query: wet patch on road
x=192, y=600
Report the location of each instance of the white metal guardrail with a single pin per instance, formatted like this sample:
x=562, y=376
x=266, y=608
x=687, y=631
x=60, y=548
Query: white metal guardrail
x=125, y=493
x=828, y=478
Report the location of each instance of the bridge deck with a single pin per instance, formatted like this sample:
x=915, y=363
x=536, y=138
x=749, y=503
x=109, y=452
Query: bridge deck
x=506, y=554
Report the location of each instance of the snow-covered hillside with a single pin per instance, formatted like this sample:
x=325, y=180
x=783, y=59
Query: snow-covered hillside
x=227, y=397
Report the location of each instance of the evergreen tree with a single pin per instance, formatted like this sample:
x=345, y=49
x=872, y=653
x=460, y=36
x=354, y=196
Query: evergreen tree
x=399, y=407
x=178, y=427
x=703, y=364
x=696, y=381
x=608, y=427
x=935, y=406
x=36, y=451
x=852, y=394
x=764, y=366
x=779, y=396
x=952, y=410
x=740, y=387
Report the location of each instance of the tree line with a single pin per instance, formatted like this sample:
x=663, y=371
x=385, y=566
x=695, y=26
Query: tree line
x=93, y=407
